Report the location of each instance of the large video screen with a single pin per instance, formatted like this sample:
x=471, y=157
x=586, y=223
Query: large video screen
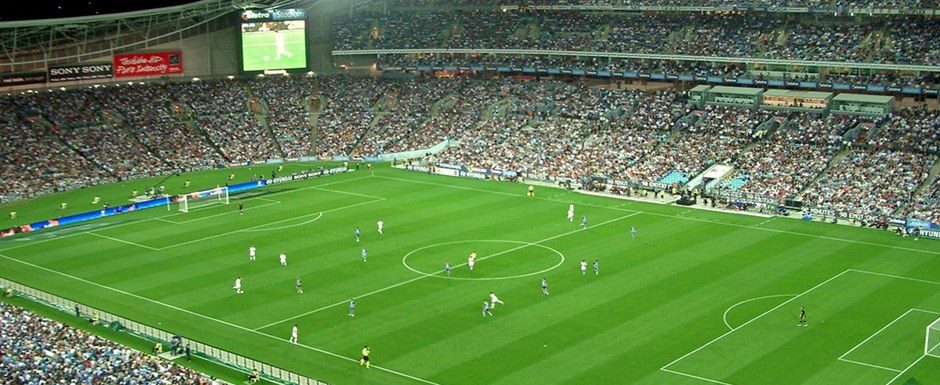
x=274, y=39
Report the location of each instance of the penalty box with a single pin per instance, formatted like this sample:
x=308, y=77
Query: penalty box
x=864, y=328
x=301, y=208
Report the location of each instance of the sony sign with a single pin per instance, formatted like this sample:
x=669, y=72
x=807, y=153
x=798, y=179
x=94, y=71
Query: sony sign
x=80, y=72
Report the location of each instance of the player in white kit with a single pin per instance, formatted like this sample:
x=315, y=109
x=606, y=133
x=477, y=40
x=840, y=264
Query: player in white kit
x=251, y=253
x=495, y=300
x=472, y=260
x=571, y=212
x=238, y=285
x=293, y=334
x=283, y=258
x=583, y=267
x=380, y=224
x=280, y=45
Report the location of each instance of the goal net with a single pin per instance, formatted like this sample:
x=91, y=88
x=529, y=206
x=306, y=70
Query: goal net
x=191, y=201
x=932, y=343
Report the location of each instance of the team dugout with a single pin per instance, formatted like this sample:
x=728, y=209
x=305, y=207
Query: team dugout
x=809, y=101
x=855, y=104
x=733, y=96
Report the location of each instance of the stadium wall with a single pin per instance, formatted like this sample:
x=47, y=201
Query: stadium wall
x=210, y=54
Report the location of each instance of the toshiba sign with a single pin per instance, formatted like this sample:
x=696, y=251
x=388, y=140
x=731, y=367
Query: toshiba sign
x=148, y=64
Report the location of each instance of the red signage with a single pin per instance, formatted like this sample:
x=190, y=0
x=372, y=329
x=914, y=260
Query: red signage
x=148, y=64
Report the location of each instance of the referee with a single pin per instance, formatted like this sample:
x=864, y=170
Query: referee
x=365, y=357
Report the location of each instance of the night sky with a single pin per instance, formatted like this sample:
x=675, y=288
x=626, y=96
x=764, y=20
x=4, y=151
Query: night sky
x=50, y=9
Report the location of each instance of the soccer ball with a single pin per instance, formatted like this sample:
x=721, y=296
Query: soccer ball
x=266, y=58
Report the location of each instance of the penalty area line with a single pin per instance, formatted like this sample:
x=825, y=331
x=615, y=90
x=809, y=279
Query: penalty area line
x=121, y=240
x=203, y=316
x=719, y=338
x=264, y=226
x=694, y=376
x=724, y=317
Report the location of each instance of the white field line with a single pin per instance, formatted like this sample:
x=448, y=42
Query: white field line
x=349, y=193
x=163, y=218
x=256, y=229
x=694, y=376
x=719, y=338
x=897, y=276
x=905, y=369
x=875, y=334
x=765, y=222
x=724, y=317
x=120, y=240
x=869, y=365
x=248, y=229
x=682, y=217
x=31, y=243
x=423, y=276
x=25, y=244
x=842, y=357
x=226, y=323
x=665, y=367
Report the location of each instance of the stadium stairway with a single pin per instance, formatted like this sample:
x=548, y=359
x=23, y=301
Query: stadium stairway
x=46, y=129
x=205, y=136
x=381, y=108
x=263, y=120
x=314, y=118
x=132, y=134
x=822, y=173
x=81, y=153
x=931, y=177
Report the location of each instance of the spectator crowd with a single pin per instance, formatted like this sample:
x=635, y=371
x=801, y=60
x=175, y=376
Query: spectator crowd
x=37, y=351
x=540, y=128
x=772, y=36
x=816, y=4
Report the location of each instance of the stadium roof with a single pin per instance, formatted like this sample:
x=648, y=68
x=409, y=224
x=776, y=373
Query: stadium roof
x=735, y=90
x=31, y=44
x=880, y=99
x=799, y=94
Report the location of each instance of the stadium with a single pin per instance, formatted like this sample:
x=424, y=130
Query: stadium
x=456, y=192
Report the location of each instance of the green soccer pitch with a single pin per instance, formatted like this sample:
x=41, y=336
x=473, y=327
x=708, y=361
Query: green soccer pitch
x=697, y=298
x=259, y=52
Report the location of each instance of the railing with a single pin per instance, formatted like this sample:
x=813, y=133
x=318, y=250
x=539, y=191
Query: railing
x=742, y=6
x=209, y=352
x=645, y=56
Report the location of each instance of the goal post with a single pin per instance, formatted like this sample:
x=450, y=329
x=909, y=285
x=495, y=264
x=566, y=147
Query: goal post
x=932, y=342
x=218, y=195
x=184, y=203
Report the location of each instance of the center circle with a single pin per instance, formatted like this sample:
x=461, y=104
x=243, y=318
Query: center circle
x=463, y=264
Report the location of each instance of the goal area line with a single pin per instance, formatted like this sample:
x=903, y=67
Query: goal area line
x=899, y=372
